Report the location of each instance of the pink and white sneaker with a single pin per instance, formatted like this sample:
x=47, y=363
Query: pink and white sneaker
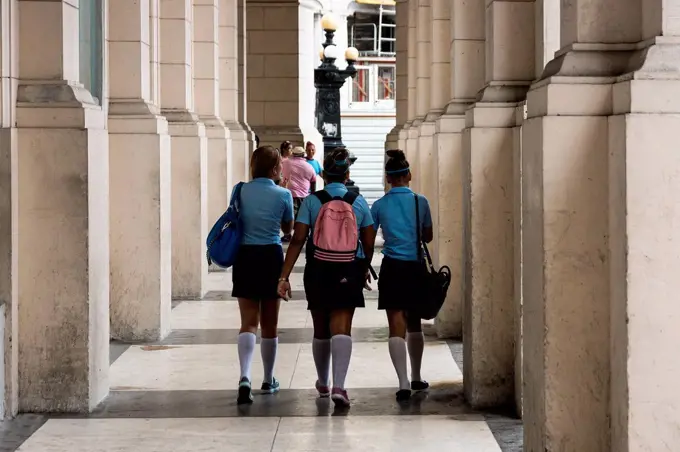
x=323, y=390
x=340, y=397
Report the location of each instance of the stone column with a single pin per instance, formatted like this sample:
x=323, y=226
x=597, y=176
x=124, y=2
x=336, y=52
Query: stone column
x=428, y=146
x=230, y=59
x=395, y=138
x=466, y=78
x=189, y=150
x=273, y=70
x=424, y=123
x=308, y=60
x=243, y=85
x=410, y=133
x=643, y=239
x=520, y=114
x=207, y=104
x=547, y=23
x=488, y=333
x=140, y=181
x=61, y=202
x=566, y=205
x=8, y=138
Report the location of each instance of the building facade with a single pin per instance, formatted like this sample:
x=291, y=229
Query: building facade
x=543, y=134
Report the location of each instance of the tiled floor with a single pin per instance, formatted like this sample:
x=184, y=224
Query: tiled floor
x=179, y=395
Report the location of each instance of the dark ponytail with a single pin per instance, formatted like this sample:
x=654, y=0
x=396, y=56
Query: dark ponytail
x=397, y=165
x=336, y=165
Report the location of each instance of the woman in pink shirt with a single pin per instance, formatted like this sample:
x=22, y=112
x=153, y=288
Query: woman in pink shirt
x=299, y=177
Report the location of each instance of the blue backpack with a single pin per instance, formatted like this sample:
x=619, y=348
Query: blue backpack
x=225, y=236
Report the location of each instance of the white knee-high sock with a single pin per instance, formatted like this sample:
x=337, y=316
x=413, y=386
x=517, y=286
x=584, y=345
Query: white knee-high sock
x=321, y=350
x=268, y=348
x=416, y=345
x=246, y=348
x=341, y=353
x=397, y=347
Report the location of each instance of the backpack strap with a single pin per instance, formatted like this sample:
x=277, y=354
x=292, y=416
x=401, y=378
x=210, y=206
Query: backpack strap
x=323, y=196
x=350, y=197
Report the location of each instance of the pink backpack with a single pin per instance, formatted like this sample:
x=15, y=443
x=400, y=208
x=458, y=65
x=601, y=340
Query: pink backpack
x=336, y=235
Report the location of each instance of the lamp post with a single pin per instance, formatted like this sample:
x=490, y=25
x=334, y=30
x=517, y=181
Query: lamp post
x=328, y=79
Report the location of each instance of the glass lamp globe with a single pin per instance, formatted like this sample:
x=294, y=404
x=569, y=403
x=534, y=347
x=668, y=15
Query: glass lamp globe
x=331, y=51
x=328, y=23
x=351, y=54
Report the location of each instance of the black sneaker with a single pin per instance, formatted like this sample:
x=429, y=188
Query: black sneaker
x=245, y=393
x=420, y=385
x=403, y=395
x=271, y=388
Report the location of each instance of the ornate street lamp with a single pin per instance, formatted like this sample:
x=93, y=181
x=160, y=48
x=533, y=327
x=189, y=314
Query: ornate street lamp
x=328, y=79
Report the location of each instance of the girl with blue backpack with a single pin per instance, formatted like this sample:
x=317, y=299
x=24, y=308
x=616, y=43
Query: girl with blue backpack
x=339, y=251
x=406, y=221
x=264, y=210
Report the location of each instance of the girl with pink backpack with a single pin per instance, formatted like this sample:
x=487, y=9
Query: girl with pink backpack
x=341, y=236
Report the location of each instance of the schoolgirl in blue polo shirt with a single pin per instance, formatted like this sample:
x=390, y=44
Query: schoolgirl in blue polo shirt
x=332, y=299
x=395, y=213
x=266, y=209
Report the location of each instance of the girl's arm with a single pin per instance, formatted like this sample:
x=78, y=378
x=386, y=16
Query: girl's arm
x=292, y=254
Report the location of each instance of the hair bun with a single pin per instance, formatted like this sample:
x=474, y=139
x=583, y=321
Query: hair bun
x=340, y=153
x=396, y=154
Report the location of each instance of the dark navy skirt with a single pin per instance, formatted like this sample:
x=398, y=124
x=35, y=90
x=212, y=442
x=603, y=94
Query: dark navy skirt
x=256, y=272
x=331, y=286
x=398, y=284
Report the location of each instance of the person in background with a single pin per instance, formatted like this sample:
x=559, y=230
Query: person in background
x=300, y=177
x=265, y=210
x=333, y=280
x=401, y=268
x=286, y=150
x=310, y=150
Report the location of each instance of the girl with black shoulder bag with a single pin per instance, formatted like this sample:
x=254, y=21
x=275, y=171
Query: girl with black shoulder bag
x=403, y=286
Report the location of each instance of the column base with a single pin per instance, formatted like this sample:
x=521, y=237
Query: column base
x=488, y=332
x=140, y=223
x=448, y=141
x=189, y=204
x=61, y=190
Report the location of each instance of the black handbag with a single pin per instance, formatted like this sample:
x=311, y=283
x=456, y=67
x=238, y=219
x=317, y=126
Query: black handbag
x=433, y=284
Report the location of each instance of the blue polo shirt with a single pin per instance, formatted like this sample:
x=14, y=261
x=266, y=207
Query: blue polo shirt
x=264, y=205
x=311, y=206
x=396, y=214
x=316, y=165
